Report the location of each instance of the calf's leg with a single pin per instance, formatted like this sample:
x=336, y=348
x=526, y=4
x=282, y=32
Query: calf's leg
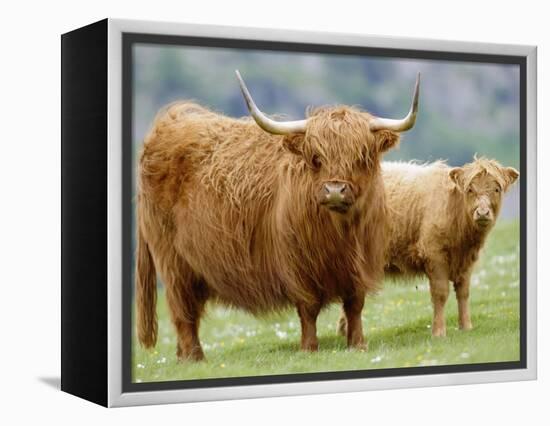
x=308, y=320
x=462, y=291
x=439, y=289
x=352, y=309
x=342, y=325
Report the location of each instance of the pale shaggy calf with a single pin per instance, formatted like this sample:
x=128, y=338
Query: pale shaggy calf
x=439, y=219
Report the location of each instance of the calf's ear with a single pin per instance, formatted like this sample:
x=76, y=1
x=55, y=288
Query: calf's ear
x=456, y=174
x=386, y=140
x=511, y=175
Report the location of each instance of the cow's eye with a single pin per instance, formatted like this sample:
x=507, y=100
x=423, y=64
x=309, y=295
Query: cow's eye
x=470, y=191
x=497, y=190
x=316, y=162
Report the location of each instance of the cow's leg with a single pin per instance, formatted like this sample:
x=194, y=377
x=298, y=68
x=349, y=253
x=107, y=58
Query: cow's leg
x=308, y=319
x=186, y=297
x=353, y=307
x=189, y=345
x=462, y=291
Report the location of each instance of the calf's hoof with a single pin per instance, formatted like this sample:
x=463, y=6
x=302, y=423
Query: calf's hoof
x=439, y=332
x=342, y=327
x=342, y=330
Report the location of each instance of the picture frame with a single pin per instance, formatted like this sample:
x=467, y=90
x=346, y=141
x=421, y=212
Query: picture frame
x=97, y=196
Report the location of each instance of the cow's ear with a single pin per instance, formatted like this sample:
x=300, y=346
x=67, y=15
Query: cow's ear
x=293, y=143
x=386, y=140
x=456, y=174
x=510, y=175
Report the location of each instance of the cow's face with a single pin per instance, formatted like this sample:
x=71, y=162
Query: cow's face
x=482, y=184
x=340, y=145
x=340, y=154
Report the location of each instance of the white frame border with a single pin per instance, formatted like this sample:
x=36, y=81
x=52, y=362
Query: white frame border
x=114, y=216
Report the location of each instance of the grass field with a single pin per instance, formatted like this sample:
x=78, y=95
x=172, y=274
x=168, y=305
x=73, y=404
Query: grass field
x=396, y=324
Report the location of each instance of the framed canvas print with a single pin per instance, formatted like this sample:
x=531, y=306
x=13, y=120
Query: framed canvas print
x=252, y=213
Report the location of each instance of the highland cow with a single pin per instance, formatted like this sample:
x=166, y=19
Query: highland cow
x=260, y=215
x=439, y=220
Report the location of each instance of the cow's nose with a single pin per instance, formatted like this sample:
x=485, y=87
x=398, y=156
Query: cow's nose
x=336, y=195
x=335, y=189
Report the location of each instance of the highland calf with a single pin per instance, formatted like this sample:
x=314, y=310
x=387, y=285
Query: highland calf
x=439, y=219
x=261, y=215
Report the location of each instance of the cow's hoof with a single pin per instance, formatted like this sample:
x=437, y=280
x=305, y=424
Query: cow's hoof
x=190, y=358
x=466, y=327
x=194, y=355
x=362, y=347
x=310, y=347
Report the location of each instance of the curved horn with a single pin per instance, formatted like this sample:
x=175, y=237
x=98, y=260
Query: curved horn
x=403, y=124
x=266, y=123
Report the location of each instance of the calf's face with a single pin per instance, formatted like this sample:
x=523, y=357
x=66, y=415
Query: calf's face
x=482, y=185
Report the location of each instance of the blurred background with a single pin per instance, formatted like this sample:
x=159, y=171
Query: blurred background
x=465, y=108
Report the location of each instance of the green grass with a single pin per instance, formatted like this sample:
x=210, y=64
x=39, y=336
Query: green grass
x=396, y=324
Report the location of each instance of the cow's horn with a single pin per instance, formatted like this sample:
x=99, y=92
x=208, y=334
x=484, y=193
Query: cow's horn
x=266, y=123
x=404, y=124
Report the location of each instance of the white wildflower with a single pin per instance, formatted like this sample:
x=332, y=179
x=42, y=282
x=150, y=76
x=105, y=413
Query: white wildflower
x=281, y=334
x=376, y=359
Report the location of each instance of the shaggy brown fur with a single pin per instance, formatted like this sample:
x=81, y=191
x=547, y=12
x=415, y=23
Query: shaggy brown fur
x=439, y=219
x=228, y=212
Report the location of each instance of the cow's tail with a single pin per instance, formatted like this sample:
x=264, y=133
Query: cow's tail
x=146, y=294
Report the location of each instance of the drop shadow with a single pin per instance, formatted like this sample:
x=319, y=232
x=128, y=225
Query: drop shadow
x=53, y=382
